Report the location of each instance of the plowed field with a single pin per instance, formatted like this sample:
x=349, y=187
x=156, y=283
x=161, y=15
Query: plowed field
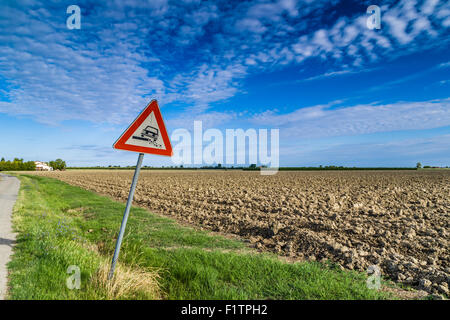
x=398, y=220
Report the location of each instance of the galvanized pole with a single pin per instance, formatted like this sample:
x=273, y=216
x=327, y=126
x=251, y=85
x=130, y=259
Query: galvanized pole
x=125, y=215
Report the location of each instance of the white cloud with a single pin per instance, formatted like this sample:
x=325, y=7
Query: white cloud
x=130, y=50
x=328, y=121
x=208, y=84
x=333, y=74
x=402, y=23
x=211, y=119
x=253, y=25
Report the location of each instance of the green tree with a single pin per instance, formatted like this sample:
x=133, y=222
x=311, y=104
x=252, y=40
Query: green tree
x=418, y=165
x=58, y=164
x=16, y=165
x=29, y=166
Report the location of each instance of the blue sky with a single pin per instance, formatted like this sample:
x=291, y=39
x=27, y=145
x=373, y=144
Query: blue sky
x=339, y=92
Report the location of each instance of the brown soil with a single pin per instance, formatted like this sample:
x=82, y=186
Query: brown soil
x=398, y=220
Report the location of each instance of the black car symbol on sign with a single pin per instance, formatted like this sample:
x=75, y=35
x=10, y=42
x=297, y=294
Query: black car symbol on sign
x=150, y=132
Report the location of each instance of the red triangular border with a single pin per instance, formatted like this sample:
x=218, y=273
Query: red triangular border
x=152, y=107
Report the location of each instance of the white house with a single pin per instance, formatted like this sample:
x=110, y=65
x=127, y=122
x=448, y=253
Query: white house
x=42, y=166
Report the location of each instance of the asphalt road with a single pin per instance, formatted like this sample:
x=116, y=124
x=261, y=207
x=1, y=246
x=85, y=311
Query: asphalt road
x=9, y=188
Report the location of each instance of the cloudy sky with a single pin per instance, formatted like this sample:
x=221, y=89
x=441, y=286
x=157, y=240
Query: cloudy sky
x=339, y=92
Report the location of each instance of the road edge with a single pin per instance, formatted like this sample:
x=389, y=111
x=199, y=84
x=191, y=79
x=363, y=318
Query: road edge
x=9, y=197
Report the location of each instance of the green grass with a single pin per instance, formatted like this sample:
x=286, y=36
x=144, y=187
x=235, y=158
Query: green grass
x=58, y=223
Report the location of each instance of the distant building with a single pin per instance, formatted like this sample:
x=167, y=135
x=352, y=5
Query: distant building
x=42, y=166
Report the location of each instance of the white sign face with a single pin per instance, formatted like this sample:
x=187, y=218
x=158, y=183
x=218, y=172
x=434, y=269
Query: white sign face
x=148, y=134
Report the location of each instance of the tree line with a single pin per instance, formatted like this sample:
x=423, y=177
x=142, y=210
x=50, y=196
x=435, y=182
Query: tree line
x=17, y=165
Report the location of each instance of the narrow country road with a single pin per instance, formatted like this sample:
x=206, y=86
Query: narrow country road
x=9, y=188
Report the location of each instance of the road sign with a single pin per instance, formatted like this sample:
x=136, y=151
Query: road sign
x=147, y=133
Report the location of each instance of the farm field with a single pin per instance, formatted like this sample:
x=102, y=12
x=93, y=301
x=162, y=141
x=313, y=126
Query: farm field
x=60, y=226
x=398, y=220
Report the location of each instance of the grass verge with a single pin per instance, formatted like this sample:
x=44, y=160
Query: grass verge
x=59, y=225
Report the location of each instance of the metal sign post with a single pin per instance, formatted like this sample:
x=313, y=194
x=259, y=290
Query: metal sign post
x=125, y=215
x=146, y=134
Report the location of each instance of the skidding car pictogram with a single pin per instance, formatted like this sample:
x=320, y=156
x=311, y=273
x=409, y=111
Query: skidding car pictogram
x=149, y=134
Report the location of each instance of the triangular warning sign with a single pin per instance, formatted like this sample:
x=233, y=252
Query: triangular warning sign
x=147, y=133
